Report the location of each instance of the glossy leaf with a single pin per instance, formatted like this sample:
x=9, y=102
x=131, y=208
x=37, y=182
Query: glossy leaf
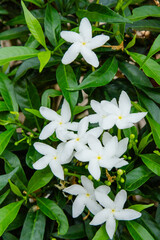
x=52, y=24
x=38, y=3
x=8, y=54
x=101, y=234
x=145, y=25
x=8, y=93
x=15, y=189
x=99, y=13
x=54, y=212
x=45, y=100
x=152, y=161
x=155, y=130
x=76, y=231
x=66, y=79
x=138, y=232
x=5, y=138
x=3, y=107
x=8, y=214
x=80, y=109
x=34, y=226
x=144, y=142
x=34, y=112
x=100, y=77
x=144, y=12
x=43, y=58
x=8, y=236
x=34, y=26
x=131, y=43
x=4, y=195
x=137, y=177
x=39, y=179
x=4, y=178
x=141, y=207
x=13, y=33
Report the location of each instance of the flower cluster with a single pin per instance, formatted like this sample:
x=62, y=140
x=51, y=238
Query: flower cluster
x=84, y=145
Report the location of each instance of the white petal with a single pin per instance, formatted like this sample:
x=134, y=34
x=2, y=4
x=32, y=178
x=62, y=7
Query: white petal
x=94, y=118
x=94, y=169
x=103, y=189
x=85, y=29
x=96, y=106
x=44, y=148
x=123, y=123
x=42, y=162
x=78, y=205
x=83, y=126
x=120, y=164
x=57, y=169
x=122, y=147
x=62, y=157
x=127, y=214
x=110, y=226
x=71, y=37
x=136, y=117
x=62, y=133
x=88, y=184
x=114, y=101
x=94, y=144
x=93, y=206
x=75, y=189
x=89, y=56
x=124, y=103
x=110, y=108
x=106, y=138
x=72, y=126
x=49, y=114
x=98, y=41
x=108, y=122
x=81, y=145
x=84, y=155
x=47, y=131
x=120, y=199
x=100, y=217
x=71, y=54
x=65, y=111
x=111, y=147
x=104, y=200
x=68, y=150
x=97, y=131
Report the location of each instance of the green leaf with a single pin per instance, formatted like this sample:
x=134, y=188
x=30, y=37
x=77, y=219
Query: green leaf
x=13, y=33
x=101, y=234
x=4, y=195
x=3, y=106
x=8, y=54
x=100, y=13
x=145, y=25
x=5, y=138
x=8, y=93
x=144, y=142
x=155, y=130
x=34, y=26
x=34, y=112
x=131, y=43
x=34, y=226
x=52, y=24
x=54, y=212
x=138, y=232
x=152, y=161
x=39, y=179
x=141, y=207
x=80, y=109
x=45, y=99
x=66, y=79
x=137, y=177
x=43, y=58
x=32, y=156
x=153, y=50
x=8, y=214
x=76, y=231
x=15, y=189
x=144, y=12
x=151, y=68
x=4, y=178
x=100, y=77
x=32, y=42
x=38, y=3
x=8, y=236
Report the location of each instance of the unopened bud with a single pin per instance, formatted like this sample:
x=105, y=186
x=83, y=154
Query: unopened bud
x=90, y=177
x=132, y=136
x=122, y=180
x=108, y=183
x=120, y=172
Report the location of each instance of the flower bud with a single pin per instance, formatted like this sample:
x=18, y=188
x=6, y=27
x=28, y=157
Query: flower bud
x=132, y=136
x=120, y=172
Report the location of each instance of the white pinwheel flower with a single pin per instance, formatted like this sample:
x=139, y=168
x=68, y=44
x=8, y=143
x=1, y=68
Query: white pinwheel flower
x=119, y=114
x=113, y=210
x=85, y=196
x=52, y=157
x=99, y=156
x=59, y=123
x=78, y=141
x=83, y=43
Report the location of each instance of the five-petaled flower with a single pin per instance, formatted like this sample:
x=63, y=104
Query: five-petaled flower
x=113, y=210
x=59, y=123
x=83, y=43
x=85, y=196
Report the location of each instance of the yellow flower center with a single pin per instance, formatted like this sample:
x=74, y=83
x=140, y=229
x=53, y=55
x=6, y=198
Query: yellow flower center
x=54, y=157
x=99, y=157
x=60, y=123
x=87, y=194
x=83, y=43
x=113, y=210
x=77, y=139
x=119, y=117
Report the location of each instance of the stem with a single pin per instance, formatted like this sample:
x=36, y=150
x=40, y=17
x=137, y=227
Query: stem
x=93, y=69
x=119, y=5
x=26, y=128
x=119, y=134
x=73, y=174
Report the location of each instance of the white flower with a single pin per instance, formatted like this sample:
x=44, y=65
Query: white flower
x=113, y=210
x=52, y=157
x=83, y=43
x=85, y=196
x=78, y=141
x=111, y=113
x=59, y=123
x=99, y=156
